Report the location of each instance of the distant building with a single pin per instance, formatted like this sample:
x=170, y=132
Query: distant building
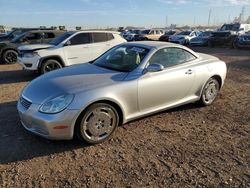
x=2, y=29
x=248, y=20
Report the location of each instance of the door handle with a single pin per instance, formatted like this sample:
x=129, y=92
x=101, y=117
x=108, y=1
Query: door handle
x=189, y=72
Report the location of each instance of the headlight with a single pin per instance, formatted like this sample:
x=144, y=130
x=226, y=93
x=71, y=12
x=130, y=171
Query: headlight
x=30, y=54
x=241, y=38
x=57, y=104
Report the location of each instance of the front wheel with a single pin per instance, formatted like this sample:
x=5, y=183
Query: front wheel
x=10, y=57
x=50, y=65
x=210, y=92
x=98, y=123
x=235, y=45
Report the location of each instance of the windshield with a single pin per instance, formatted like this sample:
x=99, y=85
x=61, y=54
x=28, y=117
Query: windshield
x=61, y=38
x=185, y=33
x=230, y=27
x=205, y=34
x=137, y=32
x=18, y=37
x=145, y=32
x=122, y=58
x=170, y=32
x=15, y=32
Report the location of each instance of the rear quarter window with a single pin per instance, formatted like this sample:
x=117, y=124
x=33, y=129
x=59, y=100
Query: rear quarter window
x=110, y=36
x=49, y=35
x=99, y=37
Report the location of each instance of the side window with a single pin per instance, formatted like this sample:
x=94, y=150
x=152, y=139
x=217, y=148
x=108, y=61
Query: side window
x=157, y=32
x=33, y=36
x=169, y=57
x=49, y=35
x=99, y=37
x=152, y=32
x=82, y=38
x=189, y=56
x=110, y=36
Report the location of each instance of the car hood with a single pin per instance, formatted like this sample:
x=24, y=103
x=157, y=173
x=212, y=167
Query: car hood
x=4, y=43
x=73, y=80
x=33, y=47
x=4, y=37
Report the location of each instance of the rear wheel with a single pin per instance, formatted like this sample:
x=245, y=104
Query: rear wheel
x=50, y=65
x=97, y=123
x=9, y=57
x=210, y=92
x=235, y=44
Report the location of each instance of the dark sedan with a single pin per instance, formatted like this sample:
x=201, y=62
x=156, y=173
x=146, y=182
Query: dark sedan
x=201, y=39
x=8, y=49
x=166, y=36
x=243, y=41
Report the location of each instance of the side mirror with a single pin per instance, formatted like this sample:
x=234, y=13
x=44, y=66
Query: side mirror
x=68, y=43
x=155, y=67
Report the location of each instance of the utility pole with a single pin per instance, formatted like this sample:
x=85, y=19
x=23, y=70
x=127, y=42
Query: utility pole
x=209, y=17
x=242, y=17
x=166, y=21
x=229, y=18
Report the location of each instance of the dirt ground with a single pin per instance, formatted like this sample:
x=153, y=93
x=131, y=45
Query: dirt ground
x=188, y=146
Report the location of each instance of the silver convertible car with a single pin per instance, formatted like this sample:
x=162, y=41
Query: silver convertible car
x=129, y=81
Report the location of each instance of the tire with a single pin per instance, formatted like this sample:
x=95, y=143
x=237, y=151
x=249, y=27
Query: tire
x=9, y=56
x=50, y=65
x=209, y=92
x=235, y=44
x=97, y=123
x=232, y=44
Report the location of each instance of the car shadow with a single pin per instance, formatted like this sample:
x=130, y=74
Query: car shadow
x=16, y=76
x=186, y=107
x=17, y=144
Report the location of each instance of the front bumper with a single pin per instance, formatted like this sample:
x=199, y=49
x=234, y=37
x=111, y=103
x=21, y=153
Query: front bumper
x=46, y=125
x=29, y=63
x=243, y=44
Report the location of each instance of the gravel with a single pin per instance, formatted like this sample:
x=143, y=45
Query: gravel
x=188, y=146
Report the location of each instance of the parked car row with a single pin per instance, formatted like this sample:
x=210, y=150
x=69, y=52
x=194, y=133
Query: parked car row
x=233, y=35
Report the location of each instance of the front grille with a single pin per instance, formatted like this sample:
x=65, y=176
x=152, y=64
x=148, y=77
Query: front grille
x=247, y=38
x=28, y=65
x=25, y=103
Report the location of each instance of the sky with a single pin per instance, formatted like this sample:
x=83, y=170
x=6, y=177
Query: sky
x=115, y=13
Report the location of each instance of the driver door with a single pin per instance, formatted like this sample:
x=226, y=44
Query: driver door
x=167, y=87
x=78, y=50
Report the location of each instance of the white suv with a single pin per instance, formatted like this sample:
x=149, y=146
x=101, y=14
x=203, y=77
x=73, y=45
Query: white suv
x=71, y=48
